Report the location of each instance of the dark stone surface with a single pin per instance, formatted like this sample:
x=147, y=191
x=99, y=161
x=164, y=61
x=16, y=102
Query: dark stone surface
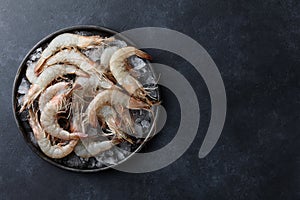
x=255, y=45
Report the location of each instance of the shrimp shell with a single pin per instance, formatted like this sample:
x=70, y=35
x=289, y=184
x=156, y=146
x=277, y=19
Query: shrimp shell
x=68, y=40
x=49, y=119
x=76, y=58
x=109, y=115
x=50, y=92
x=73, y=57
x=106, y=55
x=112, y=97
x=90, y=147
x=118, y=67
x=49, y=75
x=52, y=151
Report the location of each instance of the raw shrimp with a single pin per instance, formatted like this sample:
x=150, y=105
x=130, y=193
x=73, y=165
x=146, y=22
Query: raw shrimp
x=52, y=151
x=114, y=122
x=119, y=68
x=49, y=75
x=112, y=97
x=76, y=58
x=91, y=147
x=73, y=57
x=49, y=119
x=90, y=87
x=108, y=115
x=52, y=91
x=68, y=40
x=106, y=55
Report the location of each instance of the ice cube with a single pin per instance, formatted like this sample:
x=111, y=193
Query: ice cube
x=150, y=80
x=39, y=50
x=20, y=100
x=81, y=33
x=144, y=70
x=92, y=162
x=32, y=138
x=110, y=160
x=120, y=154
x=138, y=120
x=24, y=87
x=98, y=164
x=36, y=54
x=105, y=158
x=118, y=43
x=30, y=75
x=84, y=160
x=137, y=63
x=146, y=76
x=145, y=124
x=125, y=146
x=110, y=152
x=94, y=54
x=139, y=130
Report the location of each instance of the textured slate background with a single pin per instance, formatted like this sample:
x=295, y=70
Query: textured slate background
x=254, y=43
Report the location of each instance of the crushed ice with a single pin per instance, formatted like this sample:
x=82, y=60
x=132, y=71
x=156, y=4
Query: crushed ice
x=137, y=62
x=117, y=43
x=30, y=75
x=36, y=54
x=94, y=53
x=112, y=156
x=24, y=87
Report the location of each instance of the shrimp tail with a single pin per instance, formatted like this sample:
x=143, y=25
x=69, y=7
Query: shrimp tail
x=142, y=54
x=29, y=98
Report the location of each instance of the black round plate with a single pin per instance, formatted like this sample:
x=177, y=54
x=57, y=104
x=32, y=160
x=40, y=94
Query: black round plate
x=24, y=125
